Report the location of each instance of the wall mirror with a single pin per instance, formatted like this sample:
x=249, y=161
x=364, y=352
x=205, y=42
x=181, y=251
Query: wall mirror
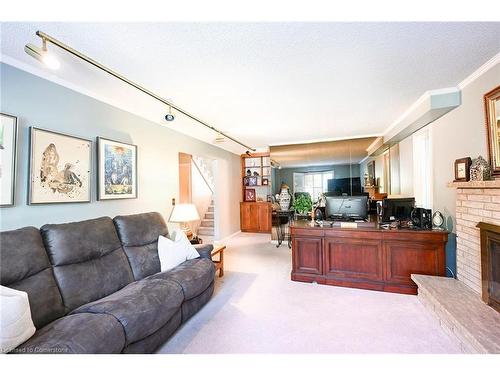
x=492, y=113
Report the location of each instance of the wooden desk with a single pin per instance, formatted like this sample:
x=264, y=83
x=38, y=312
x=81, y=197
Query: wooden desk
x=366, y=257
x=219, y=264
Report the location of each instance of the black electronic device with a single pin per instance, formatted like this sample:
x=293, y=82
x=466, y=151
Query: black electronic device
x=347, y=208
x=392, y=209
x=421, y=218
x=341, y=186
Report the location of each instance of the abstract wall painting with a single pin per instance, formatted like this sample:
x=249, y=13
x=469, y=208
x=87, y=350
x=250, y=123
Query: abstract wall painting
x=8, y=140
x=60, y=168
x=117, y=169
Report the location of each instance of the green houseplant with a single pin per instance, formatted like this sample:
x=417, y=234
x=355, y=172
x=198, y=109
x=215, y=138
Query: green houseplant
x=302, y=204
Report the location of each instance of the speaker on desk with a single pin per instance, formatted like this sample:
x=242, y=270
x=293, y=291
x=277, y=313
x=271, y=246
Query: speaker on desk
x=421, y=218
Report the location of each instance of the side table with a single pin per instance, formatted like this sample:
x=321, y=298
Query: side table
x=219, y=264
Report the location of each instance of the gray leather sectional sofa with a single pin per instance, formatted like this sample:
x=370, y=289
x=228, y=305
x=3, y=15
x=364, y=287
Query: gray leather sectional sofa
x=95, y=286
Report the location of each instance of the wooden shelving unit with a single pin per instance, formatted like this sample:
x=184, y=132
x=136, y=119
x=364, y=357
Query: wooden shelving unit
x=256, y=216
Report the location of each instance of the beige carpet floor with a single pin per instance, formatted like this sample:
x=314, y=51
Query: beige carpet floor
x=256, y=308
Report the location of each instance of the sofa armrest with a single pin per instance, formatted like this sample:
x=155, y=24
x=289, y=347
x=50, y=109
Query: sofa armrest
x=204, y=250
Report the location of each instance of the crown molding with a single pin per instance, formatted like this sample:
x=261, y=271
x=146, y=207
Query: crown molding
x=479, y=72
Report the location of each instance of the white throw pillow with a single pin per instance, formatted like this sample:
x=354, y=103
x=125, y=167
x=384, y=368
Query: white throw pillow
x=173, y=253
x=16, y=325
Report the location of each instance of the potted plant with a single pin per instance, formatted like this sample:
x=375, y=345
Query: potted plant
x=302, y=204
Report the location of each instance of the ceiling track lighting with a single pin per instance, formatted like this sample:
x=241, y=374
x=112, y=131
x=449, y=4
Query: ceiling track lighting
x=43, y=56
x=220, y=138
x=169, y=116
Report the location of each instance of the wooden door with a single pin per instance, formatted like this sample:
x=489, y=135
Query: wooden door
x=307, y=255
x=350, y=258
x=264, y=218
x=249, y=217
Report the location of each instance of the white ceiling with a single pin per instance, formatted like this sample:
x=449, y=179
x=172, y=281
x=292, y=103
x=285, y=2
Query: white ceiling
x=266, y=83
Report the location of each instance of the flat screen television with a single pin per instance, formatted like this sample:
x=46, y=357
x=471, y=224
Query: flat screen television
x=397, y=209
x=342, y=186
x=346, y=207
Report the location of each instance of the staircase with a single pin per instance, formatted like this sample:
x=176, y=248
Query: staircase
x=206, y=228
x=207, y=225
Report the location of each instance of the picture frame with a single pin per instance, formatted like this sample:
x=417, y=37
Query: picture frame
x=8, y=159
x=116, y=170
x=462, y=169
x=250, y=195
x=60, y=168
x=370, y=166
x=250, y=180
x=265, y=182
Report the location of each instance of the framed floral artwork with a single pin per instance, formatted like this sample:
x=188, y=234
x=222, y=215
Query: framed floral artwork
x=60, y=168
x=250, y=195
x=8, y=143
x=116, y=169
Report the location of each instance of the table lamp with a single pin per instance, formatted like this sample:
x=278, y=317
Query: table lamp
x=184, y=213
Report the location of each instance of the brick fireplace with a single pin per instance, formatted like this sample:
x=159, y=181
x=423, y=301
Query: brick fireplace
x=476, y=201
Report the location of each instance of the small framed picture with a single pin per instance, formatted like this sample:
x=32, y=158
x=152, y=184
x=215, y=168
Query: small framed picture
x=60, y=168
x=265, y=181
x=8, y=141
x=250, y=181
x=117, y=170
x=462, y=169
x=250, y=195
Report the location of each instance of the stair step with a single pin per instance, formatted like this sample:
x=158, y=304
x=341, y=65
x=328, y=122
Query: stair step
x=206, y=231
x=211, y=208
x=209, y=215
x=207, y=223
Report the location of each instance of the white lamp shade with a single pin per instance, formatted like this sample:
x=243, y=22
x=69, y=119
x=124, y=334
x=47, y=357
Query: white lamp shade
x=184, y=213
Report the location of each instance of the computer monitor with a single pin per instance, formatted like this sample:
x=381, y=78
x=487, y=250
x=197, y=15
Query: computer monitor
x=342, y=186
x=397, y=209
x=349, y=207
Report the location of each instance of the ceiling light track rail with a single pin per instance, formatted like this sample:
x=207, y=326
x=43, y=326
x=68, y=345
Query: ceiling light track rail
x=48, y=38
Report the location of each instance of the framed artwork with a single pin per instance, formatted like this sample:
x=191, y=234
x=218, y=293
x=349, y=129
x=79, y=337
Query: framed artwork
x=371, y=172
x=116, y=169
x=250, y=195
x=60, y=168
x=462, y=169
x=265, y=181
x=250, y=181
x=8, y=142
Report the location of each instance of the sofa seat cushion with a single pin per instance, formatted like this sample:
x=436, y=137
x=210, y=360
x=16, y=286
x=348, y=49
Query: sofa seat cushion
x=141, y=307
x=77, y=334
x=194, y=276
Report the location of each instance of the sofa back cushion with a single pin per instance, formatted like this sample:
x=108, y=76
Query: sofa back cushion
x=88, y=259
x=139, y=237
x=24, y=265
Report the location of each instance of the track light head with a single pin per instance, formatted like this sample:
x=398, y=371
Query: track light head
x=42, y=55
x=248, y=153
x=220, y=138
x=170, y=116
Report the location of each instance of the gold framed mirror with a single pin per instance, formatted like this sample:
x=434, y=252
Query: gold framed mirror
x=492, y=113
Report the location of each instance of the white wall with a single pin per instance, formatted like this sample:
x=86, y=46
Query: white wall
x=38, y=102
x=458, y=134
x=406, y=166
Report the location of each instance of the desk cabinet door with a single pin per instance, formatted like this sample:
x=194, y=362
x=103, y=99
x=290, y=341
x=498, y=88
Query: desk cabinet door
x=404, y=258
x=348, y=258
x=307, y=255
